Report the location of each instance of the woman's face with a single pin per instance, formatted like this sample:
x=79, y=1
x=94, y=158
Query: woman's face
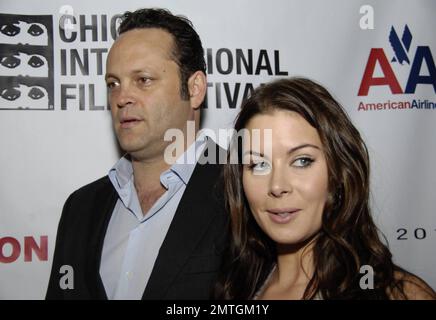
x=285, y=178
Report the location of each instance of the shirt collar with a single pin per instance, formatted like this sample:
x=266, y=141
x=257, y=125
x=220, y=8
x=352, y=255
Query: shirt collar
x=185, y=164
x=122, y=172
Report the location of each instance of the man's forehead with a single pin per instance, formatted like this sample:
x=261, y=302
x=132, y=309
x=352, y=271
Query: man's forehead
x=138, y=47
x=145, y=38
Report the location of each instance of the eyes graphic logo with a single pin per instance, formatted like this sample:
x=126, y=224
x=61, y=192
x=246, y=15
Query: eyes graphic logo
x=18, y=64
x=26, y=62
x=403, y=56
x=34, y=34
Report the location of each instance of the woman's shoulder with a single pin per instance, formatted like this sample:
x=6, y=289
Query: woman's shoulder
x=413, y=288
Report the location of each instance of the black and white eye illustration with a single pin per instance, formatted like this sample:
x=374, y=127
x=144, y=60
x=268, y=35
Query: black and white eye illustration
x=20, y=32
x=35, y=62
x=35, y=30
x=10, y=30
x=36, y=93
x=10, y=94
x=24, y=97
x=20, y=63
x=10, y=62
x=26, y=62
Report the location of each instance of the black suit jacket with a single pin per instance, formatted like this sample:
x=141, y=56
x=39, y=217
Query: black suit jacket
x=188, y=260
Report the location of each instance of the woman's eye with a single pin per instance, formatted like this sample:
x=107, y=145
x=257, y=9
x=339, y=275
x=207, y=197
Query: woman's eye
x=303, y=162
x=261, y=167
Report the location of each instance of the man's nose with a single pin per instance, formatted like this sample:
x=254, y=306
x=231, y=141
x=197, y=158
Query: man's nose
x=280, y=183
x=125, y=96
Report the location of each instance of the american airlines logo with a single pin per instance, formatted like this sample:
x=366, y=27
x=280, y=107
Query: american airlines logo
x=401, y=49
x=382, y=74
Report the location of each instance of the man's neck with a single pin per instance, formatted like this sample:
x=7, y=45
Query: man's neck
x=147, y=182
x=147, y=173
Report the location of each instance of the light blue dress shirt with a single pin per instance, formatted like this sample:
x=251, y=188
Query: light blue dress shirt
x=133, y=240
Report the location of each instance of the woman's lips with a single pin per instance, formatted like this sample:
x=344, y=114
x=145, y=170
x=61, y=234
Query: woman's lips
x=282, y=215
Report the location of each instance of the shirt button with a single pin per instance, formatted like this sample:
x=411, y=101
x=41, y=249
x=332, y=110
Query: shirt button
x=129, y=275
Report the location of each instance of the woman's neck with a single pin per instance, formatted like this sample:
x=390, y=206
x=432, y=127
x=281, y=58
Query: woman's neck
x=295, y=268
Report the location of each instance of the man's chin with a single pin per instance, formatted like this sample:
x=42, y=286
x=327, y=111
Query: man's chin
x=130, y=148
x=133, y=152
x=140, y=150
x=144, y=154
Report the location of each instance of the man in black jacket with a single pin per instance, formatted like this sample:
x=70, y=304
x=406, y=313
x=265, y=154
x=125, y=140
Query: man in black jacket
x=153, y=228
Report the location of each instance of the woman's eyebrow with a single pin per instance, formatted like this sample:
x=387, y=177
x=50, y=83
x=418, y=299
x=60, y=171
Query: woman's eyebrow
x=301, y=146
x=255, y=153
x=292, y=150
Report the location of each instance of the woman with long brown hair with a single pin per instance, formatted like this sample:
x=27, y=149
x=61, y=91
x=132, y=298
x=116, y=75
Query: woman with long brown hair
x=299, y=205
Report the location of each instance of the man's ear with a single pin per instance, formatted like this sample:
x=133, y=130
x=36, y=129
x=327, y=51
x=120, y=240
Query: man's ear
x=197, y=86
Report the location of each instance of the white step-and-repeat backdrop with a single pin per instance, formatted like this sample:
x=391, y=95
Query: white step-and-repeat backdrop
x=377, y=57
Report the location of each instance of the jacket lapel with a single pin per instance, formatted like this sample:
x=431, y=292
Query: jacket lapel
x=186, y=230
x=105, y=200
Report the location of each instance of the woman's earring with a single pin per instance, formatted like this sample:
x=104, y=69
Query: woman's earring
x=338, y=197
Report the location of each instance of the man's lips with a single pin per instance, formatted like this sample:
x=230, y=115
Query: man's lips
x=128, y=122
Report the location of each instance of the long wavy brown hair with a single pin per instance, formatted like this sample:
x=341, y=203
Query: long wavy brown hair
x=348, y=238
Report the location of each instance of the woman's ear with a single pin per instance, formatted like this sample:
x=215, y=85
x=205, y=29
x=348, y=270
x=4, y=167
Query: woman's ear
x=197, y=86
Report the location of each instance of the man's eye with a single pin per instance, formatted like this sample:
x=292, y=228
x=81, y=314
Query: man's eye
x=111, y=84
x=144, y=80
x=303, y=162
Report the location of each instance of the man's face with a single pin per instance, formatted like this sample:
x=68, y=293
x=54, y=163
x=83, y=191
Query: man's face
x=144, y=92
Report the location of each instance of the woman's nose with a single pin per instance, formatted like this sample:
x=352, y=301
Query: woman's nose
x=280, y=183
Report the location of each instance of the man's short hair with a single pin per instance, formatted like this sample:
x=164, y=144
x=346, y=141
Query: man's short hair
x=187, y=51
